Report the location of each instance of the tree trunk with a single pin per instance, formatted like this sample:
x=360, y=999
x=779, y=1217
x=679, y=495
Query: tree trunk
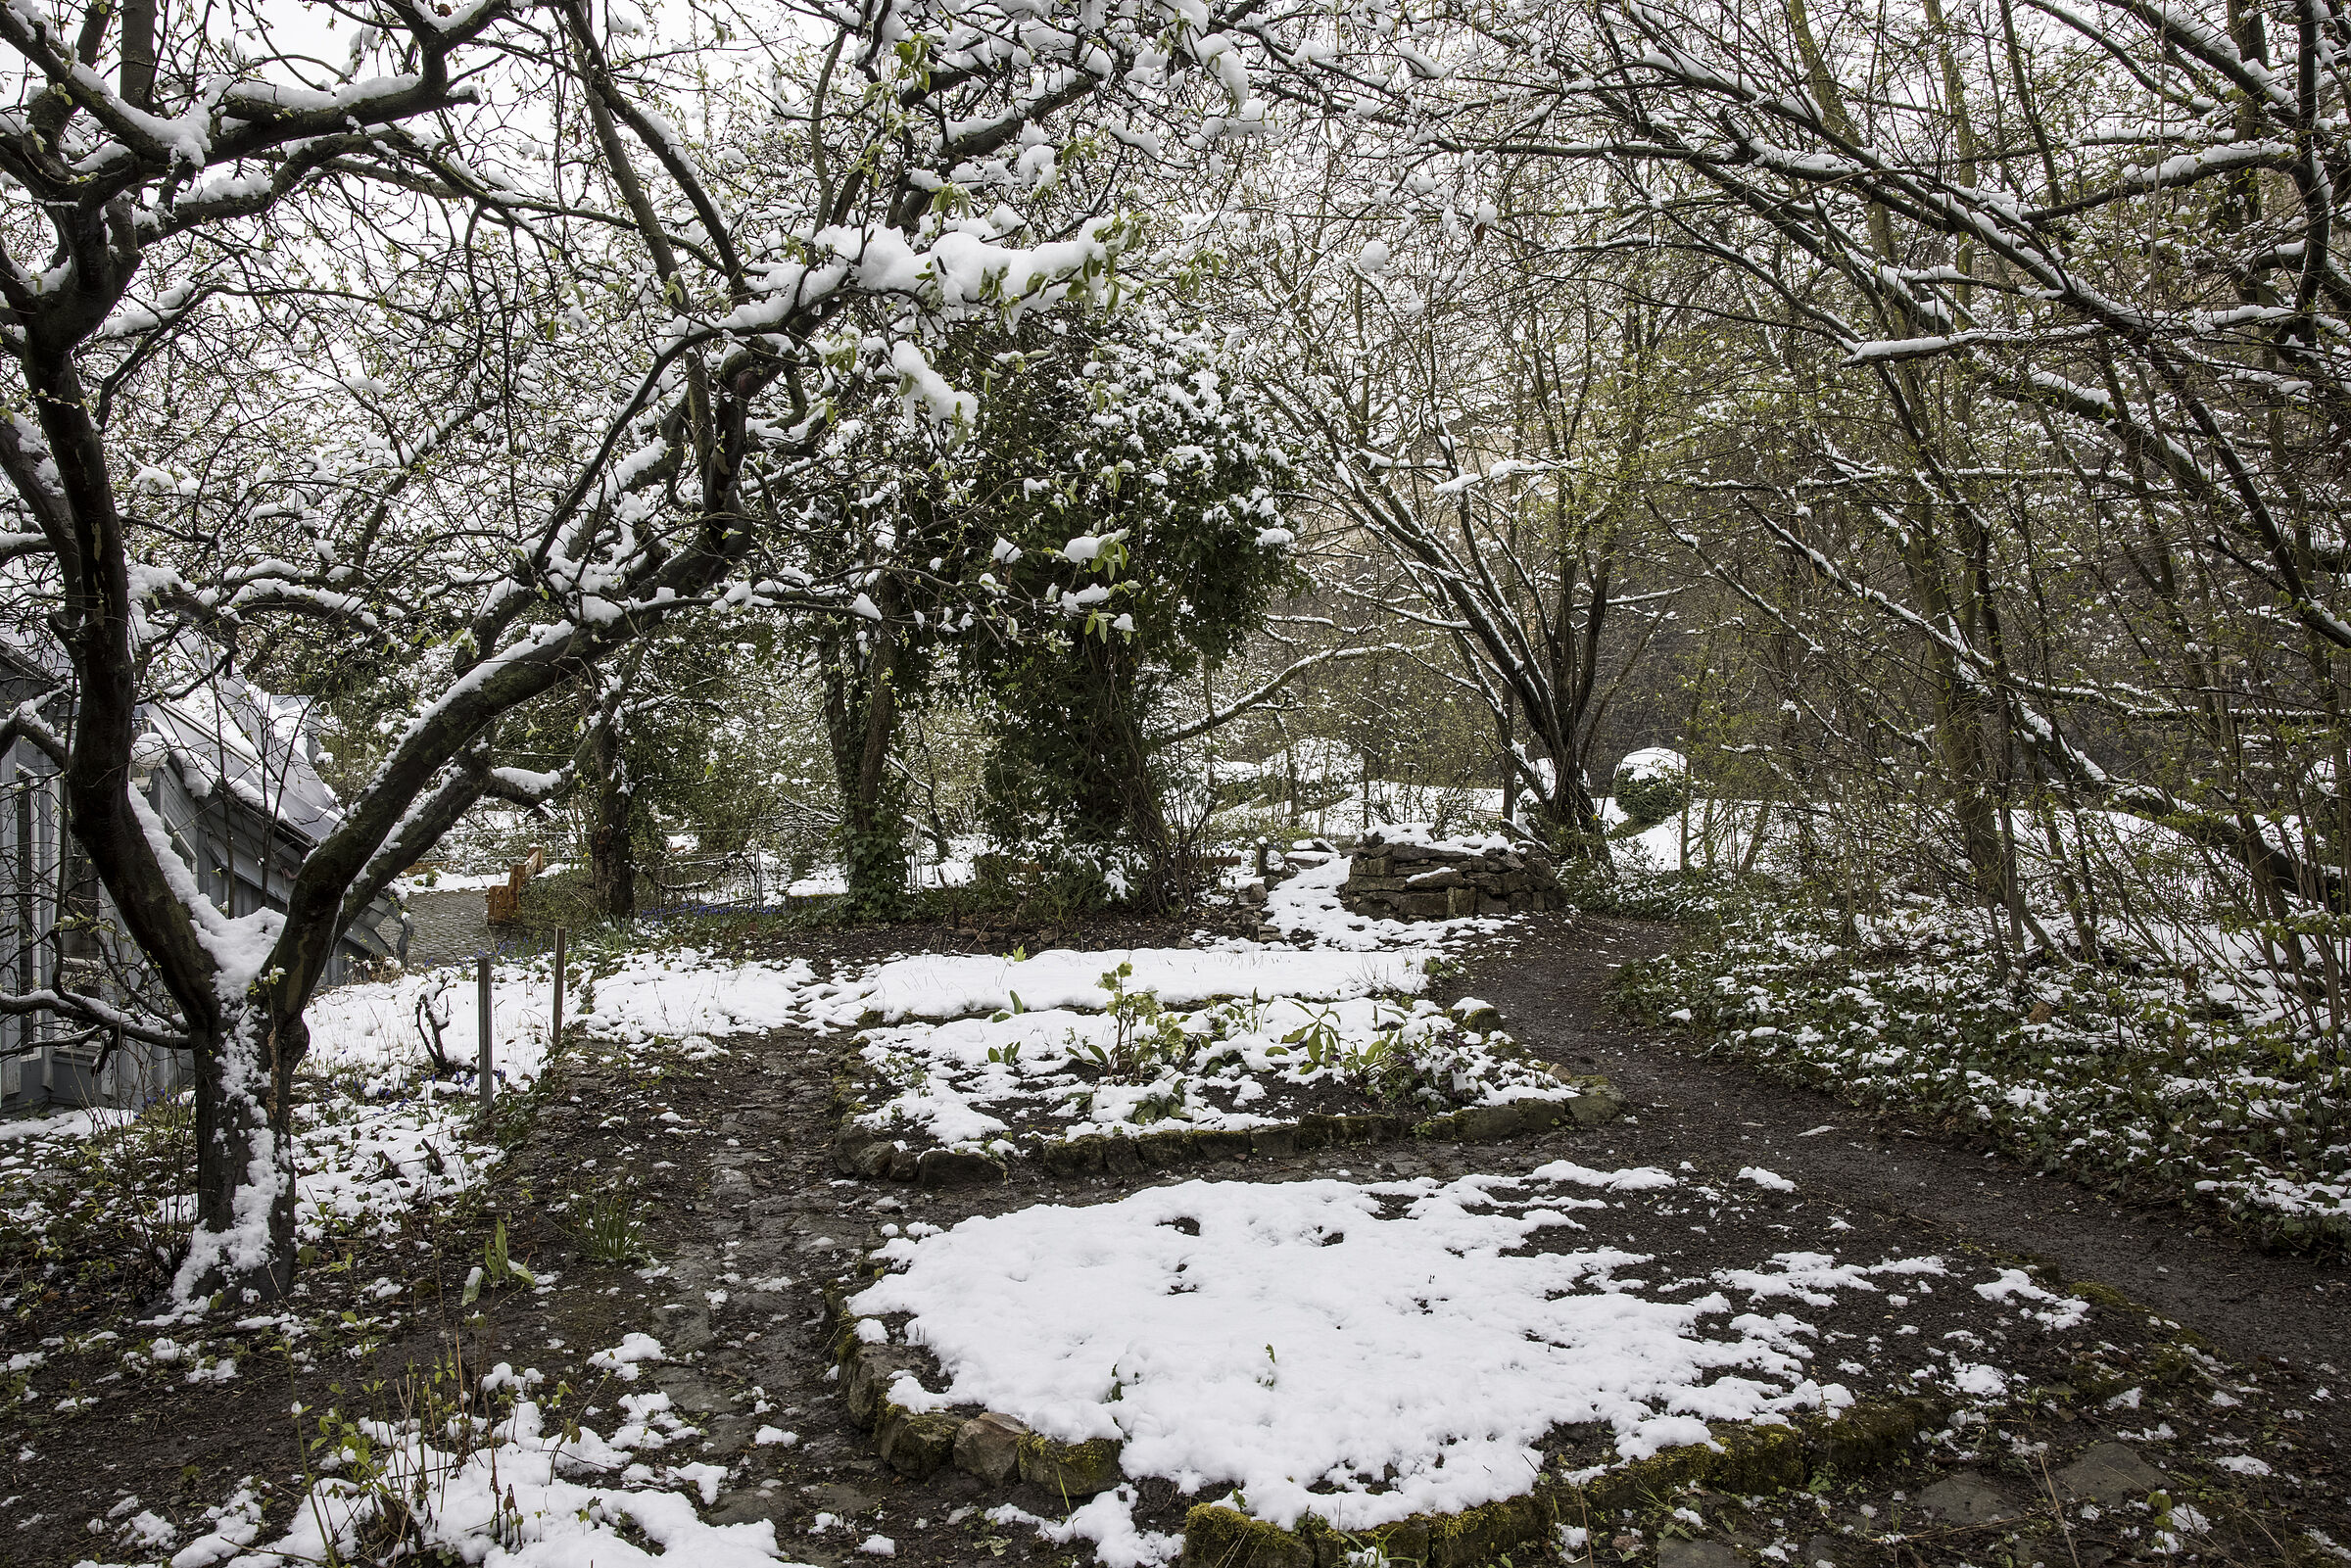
x=243, y=1243
x=612, y=829
x=1574, y=817
x=861, y=721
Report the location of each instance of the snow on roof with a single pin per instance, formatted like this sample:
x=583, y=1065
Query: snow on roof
x=36, y=655
x=217, y=730
x=254, y=742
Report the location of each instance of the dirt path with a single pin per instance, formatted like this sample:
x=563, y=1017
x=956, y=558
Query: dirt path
x=1551, y=991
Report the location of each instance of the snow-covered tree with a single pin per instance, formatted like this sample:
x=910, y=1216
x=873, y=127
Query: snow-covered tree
x=544, y=320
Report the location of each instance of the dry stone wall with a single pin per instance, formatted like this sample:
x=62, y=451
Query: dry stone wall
x=1403, y=879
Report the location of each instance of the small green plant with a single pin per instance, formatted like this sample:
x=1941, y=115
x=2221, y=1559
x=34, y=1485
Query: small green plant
x=495, y=1271
x=1319, y=1037
x=609, y=1230
x=1144, y=1037
x=1160, y=1104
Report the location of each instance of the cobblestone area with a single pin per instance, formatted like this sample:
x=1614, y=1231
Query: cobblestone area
x=445, y=925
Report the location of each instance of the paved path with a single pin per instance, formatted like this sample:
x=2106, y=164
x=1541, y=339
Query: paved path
x=447, y=925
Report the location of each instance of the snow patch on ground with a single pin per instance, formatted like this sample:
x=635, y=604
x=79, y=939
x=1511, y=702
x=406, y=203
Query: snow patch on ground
x=1066, y=1073
x=1295, y=1339
x=530, y=1497
x=947, y=987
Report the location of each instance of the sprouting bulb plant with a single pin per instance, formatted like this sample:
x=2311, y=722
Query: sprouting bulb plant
x=496, y=1269
x=608, y=1229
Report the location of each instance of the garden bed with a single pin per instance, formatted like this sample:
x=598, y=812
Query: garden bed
x=1133, y=1082
x=1450, y=1370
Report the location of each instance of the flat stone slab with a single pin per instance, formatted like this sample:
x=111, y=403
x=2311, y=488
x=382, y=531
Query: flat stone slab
x=2112, y=1470
x=1965, y=1499
x=1675, y=1552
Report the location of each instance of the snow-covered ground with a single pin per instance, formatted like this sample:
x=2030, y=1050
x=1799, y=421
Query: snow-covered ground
x=1304, y=908
x=362, y=1164
x=684, y=993
x=1061, y=1072
x=1363, y=1351
x=1359, y=1350
x=509, y=1490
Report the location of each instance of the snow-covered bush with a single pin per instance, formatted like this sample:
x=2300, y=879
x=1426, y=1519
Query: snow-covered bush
x=1651, y=784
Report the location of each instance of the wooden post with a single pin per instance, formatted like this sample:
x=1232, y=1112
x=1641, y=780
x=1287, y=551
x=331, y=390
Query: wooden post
x=555, y=1034
x=482, y=991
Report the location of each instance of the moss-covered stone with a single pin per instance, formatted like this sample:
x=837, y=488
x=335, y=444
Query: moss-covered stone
x=1540, y=1115
x=989, y=1445
x=2098, y=1295
x=1488, y=1124
x=1223, y=1144
x=2094, y=1383
x=1482, y=1019
x=1073, y=1157
x=1646, y=1481
x=1595, y=1101
x=1477, y=1535
x=1759, y=1460
x=1873, y=1434
x=1069, y=1469
x=1165, y=1150
x=915, y=1445
x=1404, y=1541
x=1216, y=1536
x=861, y=1151
x=865, y=1374
x=2172, y=1364
x=957, y=1168
x=1274, y=1143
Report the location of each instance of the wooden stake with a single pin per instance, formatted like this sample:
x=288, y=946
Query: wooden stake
x=555, y=1034
x=482, y=984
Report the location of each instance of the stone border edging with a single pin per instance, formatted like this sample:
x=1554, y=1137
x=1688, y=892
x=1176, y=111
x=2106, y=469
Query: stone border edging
x=995, y=1448
x=1749, y=1460
x=870, y=1153
x=986, y=1444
